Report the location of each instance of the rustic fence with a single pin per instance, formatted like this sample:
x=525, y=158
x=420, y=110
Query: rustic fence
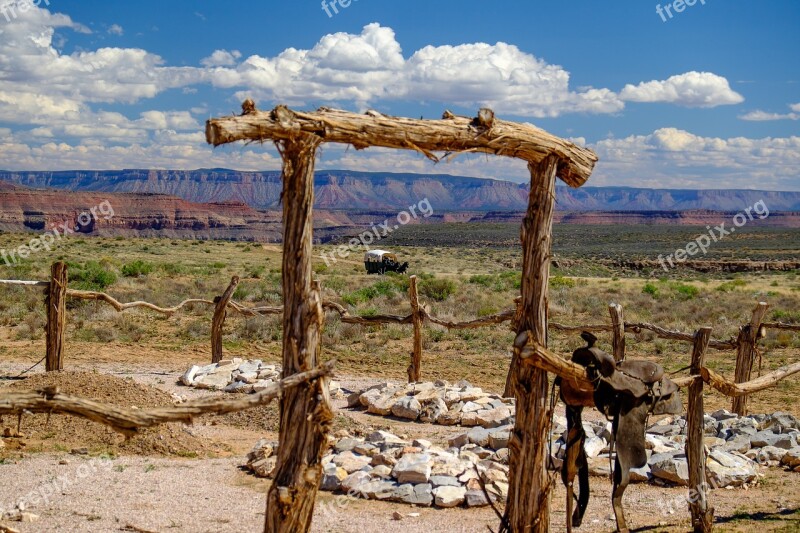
x=745, y=345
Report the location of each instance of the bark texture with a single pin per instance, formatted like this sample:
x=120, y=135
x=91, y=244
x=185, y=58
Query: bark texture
x=306, y=412
x=746, y=354
x=218, y=320
x=702, y=513
x=56, y=302
x=528, y=507
x=452, y=134
x=415, y=369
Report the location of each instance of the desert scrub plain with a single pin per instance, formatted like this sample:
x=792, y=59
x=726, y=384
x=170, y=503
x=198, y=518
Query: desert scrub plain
x=465, y=271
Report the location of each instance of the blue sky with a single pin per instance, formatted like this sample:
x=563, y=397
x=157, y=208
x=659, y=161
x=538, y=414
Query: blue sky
x=708, y=98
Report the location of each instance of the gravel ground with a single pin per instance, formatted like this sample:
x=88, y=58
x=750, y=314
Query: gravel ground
x=163, y=494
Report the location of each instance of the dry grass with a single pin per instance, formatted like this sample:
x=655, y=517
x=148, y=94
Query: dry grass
x=483, y=284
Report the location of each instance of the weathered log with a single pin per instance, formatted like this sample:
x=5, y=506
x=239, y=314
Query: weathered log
x=702, y=512
x=218, y=321
x=306, y=412
x=56, y=302
x=618, y=331
x=119, y=306
x=128, y=421
x=415, y=368
x=781, y=325
x=737, y=390
x=489, y=320
x=450, y=135
x=534, y=354
x=746, y=354
x=528, y=507
x=678, y=335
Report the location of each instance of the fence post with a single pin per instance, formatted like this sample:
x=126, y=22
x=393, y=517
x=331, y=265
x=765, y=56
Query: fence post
x=56, y=302
x=415, y=368
x=618, y=320
x=306, y=412
x=702, y=513
x=220, y=312
x=746, y=354
x=530, y=484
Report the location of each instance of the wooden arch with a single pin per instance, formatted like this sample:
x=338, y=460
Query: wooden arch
x=305, y=411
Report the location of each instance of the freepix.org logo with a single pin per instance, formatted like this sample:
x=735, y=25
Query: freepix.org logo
x=11, y=10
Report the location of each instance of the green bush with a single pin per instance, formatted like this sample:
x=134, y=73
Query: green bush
x=686, y=292
x=729, y=286
x=365, y=294
x=560, y=282
x=650, y=289
x=136, y=269
x=786, y=316
x=90, y=277
x=437, y=289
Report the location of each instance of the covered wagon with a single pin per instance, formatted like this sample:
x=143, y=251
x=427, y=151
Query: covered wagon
x=381, y=261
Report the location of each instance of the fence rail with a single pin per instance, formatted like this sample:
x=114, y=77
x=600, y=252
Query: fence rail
x=745, y=345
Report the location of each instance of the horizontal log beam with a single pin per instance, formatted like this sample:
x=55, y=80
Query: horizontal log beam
x=451, y=134
x=735, y=390
x=129, y=421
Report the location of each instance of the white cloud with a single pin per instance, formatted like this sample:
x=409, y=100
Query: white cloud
x=115, y=29
x=222, y=58
x=674, y=158
x=762, y=116
x=692, y=89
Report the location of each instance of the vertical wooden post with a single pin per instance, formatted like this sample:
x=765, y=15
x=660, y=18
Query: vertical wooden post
x=218, y=321
x=306, y=412
x=746, y=354
x=415, y=368
x=528, y=507
x=56, y=302
x=702, y=513
x=618, y=320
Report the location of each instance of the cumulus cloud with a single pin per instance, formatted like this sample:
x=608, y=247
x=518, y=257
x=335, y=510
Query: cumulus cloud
x=221, y=58
x=762, y=116
x=692, y=89
x=674, y=158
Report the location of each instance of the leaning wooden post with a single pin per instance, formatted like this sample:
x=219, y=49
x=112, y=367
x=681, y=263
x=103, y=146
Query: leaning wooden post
x=702, y=513
x=746, y=354
x=618, y=321
x=220, y=312
x=306, y=412
x=528, y=507
x=415, y=368
x=56, y=302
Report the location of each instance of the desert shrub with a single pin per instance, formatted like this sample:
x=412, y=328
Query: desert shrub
x=136, y=269
x=437, y=289
x=560, y=282
x=786, y=316
x=484, y=280
x=172, y=269
x=729, y=286
x=365, y=294
x=91, y=276
x=650, y=289
x=685, y=292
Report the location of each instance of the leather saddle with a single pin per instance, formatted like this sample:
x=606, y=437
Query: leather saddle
x=640, y=380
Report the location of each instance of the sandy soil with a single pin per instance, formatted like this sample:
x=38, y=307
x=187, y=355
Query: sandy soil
x=190, y=480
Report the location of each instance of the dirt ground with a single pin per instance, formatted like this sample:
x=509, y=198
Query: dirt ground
x=77, y=476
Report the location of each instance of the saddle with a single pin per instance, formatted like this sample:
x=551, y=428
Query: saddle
x=638, y=380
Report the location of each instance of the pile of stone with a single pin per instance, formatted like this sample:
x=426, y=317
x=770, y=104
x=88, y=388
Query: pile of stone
x=735, y=445
x=384, y=466
x=436, y=403
x=238, y=375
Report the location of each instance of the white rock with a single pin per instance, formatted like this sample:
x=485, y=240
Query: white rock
x=413, y=468
x=447, y=496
